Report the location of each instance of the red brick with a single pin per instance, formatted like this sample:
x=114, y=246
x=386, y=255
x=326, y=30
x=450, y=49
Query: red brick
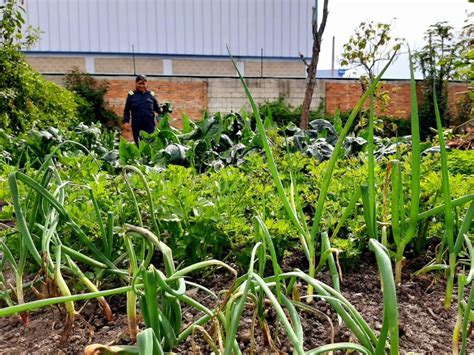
x=189, y=97
x=346, y=95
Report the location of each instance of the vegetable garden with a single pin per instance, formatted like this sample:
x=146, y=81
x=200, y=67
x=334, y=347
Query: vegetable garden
x=235, y=235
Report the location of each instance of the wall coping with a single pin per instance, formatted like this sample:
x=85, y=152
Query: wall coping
x=119, y=76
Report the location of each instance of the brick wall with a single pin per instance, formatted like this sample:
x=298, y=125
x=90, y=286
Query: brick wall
x=194, y=95
x=344, y=95
x=187, y=95
x=455, y=93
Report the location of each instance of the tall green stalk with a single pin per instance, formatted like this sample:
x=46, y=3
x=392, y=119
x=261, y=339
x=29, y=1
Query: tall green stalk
x=369, y=222
x=371, y=167
x=397, y=200
x=17, y=269
x=238, y=308
x=448, y=209
x=151, y=204
x=131, y=295
x=415, y=177
x=49, y=197
x=468, y=318
x=309, y=240
x=64, y=290
x=390, y=322
x=21, y=220
x=91, y=287
x=110, y=233
x=438, y=209
x=29, y=306
x=347, y=212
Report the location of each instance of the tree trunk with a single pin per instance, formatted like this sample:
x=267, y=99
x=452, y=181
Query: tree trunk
x=311, y=82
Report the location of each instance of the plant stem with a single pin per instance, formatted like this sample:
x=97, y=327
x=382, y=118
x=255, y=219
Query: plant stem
x=132, y=315
x=371, y=167
x=450, y=281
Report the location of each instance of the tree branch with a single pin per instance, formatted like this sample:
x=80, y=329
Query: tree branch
x=312, y=67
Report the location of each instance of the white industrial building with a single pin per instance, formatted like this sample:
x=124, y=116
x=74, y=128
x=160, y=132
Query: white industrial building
x=172, y=37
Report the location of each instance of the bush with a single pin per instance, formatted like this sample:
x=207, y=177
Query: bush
x=461, y=162
x=385, y=126
x=92, y=108
x=27, y=100
x=464, y=109
x=283, y=114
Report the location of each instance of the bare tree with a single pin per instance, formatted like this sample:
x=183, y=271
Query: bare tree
x=313, y=65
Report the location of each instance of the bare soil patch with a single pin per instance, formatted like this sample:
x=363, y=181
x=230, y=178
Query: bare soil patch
x=425, y=326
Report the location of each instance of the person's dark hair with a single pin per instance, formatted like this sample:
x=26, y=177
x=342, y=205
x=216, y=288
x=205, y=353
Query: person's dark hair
x=140, y=78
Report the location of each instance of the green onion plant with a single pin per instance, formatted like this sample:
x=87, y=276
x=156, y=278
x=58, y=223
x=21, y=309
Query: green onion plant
x=308, y=239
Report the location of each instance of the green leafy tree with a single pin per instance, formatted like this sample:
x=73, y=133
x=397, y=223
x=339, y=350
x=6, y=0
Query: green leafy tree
x=464, y=70
x=464, y=64
x=370, y=45
x=27, y=100
x=439, y=62
x=11, y=25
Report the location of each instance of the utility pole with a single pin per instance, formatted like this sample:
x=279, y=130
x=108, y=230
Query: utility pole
x=333, y=57
x=133, y=58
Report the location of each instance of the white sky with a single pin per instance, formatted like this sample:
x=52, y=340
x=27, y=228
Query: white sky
x=412, y=19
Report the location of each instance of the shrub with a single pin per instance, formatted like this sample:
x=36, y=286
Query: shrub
x=27, y=100
x=385, y=126
x=283, y=114
x=92, y=108
x=464, y=109
x=461, y=162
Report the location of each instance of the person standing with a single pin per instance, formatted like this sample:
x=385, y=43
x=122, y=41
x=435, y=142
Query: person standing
x=140, y=108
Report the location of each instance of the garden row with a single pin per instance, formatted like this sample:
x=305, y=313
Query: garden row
x=93, y=220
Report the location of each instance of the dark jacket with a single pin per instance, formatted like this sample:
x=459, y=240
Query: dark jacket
x=140, y=106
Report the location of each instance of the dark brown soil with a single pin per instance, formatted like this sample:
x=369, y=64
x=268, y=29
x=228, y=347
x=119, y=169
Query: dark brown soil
x=425, y=326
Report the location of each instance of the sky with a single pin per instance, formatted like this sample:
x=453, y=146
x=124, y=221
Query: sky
x=410, y=18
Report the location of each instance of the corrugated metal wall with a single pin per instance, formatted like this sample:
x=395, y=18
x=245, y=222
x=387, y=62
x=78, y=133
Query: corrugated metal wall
x=176, y=27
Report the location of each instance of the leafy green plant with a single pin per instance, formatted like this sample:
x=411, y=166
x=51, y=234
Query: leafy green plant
x=461, y=162
x=212, y=143
x=28, y=101
x=92, y=108
x=405, y=235
x=307, y=237
x=370, y=44
x=74, y=214
x=437, y=61
x=29, y=149
x=283, y=114
x=465, y=313
x=274, y=289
